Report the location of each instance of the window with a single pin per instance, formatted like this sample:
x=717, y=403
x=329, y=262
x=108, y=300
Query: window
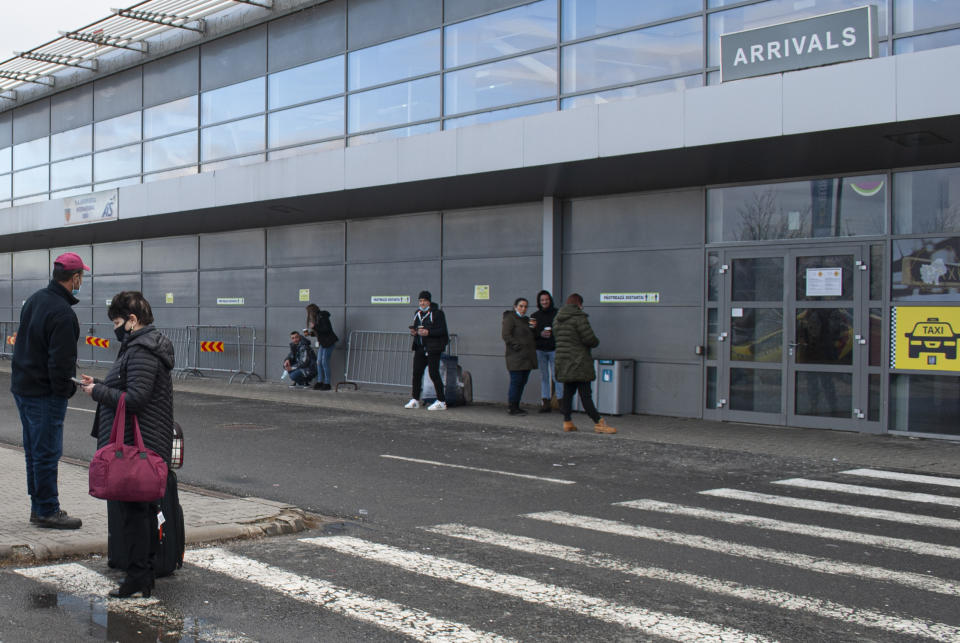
x=500, y=114
x=232, y=139
x=647, y=89
x=394, y=60
x=169, y=152
x=672, y=48
x=117, y=131
x=30, y=181
x=501, y=34
x=306, y=123
x=582, y=18
x=171, y=117
x=31, y=153
x=925, y=404
x=305, y=83
x=501, y=83
x=913, y=15
x=930, y=41
x=116, y=163
x=67, y=174
x=5, y=185
x=395, y=105
x=400, y=132
x=926, y=269
x=233, y=101
x=926, y=201
x=5, y=158
x=71, y=143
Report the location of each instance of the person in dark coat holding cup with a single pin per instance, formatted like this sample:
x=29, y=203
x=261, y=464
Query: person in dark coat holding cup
x=518, y=333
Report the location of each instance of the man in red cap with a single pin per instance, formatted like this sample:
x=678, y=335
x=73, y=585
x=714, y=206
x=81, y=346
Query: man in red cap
x=44, y=360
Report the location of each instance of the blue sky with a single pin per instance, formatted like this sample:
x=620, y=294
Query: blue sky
x=26, y=25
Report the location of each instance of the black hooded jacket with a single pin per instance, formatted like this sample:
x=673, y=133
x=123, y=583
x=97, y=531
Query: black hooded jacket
x=142, y=369
x=323, y=330
x=436, y=324
x=45, y=353
x=544, y=317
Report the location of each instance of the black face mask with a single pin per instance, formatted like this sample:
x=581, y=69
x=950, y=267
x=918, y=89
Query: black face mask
x=121, y=333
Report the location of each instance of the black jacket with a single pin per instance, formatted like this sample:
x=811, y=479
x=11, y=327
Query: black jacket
x=434, y=321
x=301, y=355
x=45, y=352
x=142, y=369
x=323, y=330
x=544, y=317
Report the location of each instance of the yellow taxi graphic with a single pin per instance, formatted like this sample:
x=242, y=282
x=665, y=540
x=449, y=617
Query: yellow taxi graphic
x=933, y=336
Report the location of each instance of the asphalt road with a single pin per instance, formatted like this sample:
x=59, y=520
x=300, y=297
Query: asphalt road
x=527, y=540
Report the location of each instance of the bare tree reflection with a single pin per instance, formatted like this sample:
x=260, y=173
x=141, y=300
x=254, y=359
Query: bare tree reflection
x=762, y=219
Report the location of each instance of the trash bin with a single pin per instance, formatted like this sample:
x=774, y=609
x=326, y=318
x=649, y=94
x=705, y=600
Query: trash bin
x=613, y=387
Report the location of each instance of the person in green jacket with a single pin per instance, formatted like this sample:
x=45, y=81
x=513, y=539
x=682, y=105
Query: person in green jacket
x=574, y=339
x=517, y=331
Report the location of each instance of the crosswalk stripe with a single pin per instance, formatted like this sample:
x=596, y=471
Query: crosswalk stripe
x=77, y=580
x=774, y=598
x=791, y=559
x=813, y=531
x=677, y=628
x=904, y=477
x=832, y=507
x=822, y=485
x=385, y=614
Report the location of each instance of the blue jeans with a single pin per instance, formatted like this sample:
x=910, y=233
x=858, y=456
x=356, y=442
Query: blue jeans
x=518, y=379
x=546, y=362
x=323, y=364
x=301, y=376
x=42, y=419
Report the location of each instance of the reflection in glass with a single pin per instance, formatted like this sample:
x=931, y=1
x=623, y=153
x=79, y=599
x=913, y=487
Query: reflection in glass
x=926, y=42
x=927, y=201
x=798, y=209
x=713, y=276
x=755, y=390
x=873, y=398
x=824, y=336
x=394, y=60
x=313, y=148
x=119, y=183
x=306, y=123
x=824, y=394
x=170, y=152
x=636, y=91
x=664, y=50
x=876, y=336
x=400, y=132
x=237, y=162
x=31, y=199
x=713, y=329
x=878, y=269
x=913, y=15
x=584, y=18
x=817, y=275
x=170, y=117
x=711, y=387
x=71, y=192
x=395, y=105
x=6, y=159
x=925, y=269
x=69, y=173
x=233, y=101
x=30, y=181
x=774, y=12
x=501, y=34
x=71, y=143
x=232, y=139
x=501, y=114
x=757, y=279
x=170, y=174
x=757, y=335
x=116, y=163
x=31, y=153
x=117, y=131
x=501, y=83
x=305, y=83
x=6, y=187
x=925, y=404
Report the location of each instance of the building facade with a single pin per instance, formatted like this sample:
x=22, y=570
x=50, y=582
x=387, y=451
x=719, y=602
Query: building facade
x=782, y=249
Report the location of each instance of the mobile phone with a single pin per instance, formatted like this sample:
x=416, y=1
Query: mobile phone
x=77, y=381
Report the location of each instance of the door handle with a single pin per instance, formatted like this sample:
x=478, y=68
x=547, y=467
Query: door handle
x=860, y=339
x=722, y=337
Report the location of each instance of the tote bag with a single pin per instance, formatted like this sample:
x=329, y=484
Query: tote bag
x=123, y=472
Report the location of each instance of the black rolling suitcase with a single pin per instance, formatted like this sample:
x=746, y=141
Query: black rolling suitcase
x=169, y=540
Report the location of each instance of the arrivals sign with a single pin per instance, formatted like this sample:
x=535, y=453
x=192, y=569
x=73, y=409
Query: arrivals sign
x=824, y=40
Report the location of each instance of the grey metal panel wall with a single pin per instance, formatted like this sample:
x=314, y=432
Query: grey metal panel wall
x=233, y=316
x=6, y=294
x=6, y=129
x=488, y=232
x=31, y=264
x=401, y=278
x=118, y=94
x=6, y=314
x=508, y=279
x=118, y=258
x=71, y=108
x=6, y=265
x=668, y=389
x=170, y=254
x=373, y=21
x=282, y=320
x=478, y=329
x=31, y=121
x=170, y=78
x=415, y=236
x=105, y=287
x=308, y=35
x=235, y=58
x=461, y=9
x=248, y=284
x=324, y=282
x=242, y=249
x=662, y=334
x=183, y=286
x=314, y=244
x=676, y=274
x=23, y=288
x=170, y=317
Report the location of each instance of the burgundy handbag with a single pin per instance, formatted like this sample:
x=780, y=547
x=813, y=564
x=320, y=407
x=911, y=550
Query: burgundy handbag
x=127, y=473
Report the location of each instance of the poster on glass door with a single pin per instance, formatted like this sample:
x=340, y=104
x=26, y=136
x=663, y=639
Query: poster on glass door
x=824, y=282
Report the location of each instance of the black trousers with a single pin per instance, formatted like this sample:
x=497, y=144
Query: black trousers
x=423, y=361
x=586, y=398
x=137, y=537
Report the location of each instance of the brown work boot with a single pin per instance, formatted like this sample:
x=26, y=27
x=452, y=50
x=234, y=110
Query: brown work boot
x=569, y=426
x=603, y=427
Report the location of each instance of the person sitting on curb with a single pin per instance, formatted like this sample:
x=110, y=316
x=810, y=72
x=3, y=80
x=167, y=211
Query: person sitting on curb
x=575, y=338
x=301, y=361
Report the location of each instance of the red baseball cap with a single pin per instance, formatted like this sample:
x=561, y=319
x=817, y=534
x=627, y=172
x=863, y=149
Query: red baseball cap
x=71, y=261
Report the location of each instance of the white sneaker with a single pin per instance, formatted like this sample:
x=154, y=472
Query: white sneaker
x=412, y=404
x=437, y=406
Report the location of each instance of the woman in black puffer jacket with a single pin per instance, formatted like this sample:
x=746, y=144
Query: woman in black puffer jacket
x=142, y=370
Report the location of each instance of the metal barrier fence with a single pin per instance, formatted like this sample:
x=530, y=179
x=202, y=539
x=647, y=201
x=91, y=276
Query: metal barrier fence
x=376, y=357
x=221, y=349
x=8, y=332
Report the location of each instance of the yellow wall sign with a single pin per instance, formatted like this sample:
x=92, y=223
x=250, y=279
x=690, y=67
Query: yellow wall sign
x=169, y=298
x=304, y=294
x=925, y=338
x=481, y=292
